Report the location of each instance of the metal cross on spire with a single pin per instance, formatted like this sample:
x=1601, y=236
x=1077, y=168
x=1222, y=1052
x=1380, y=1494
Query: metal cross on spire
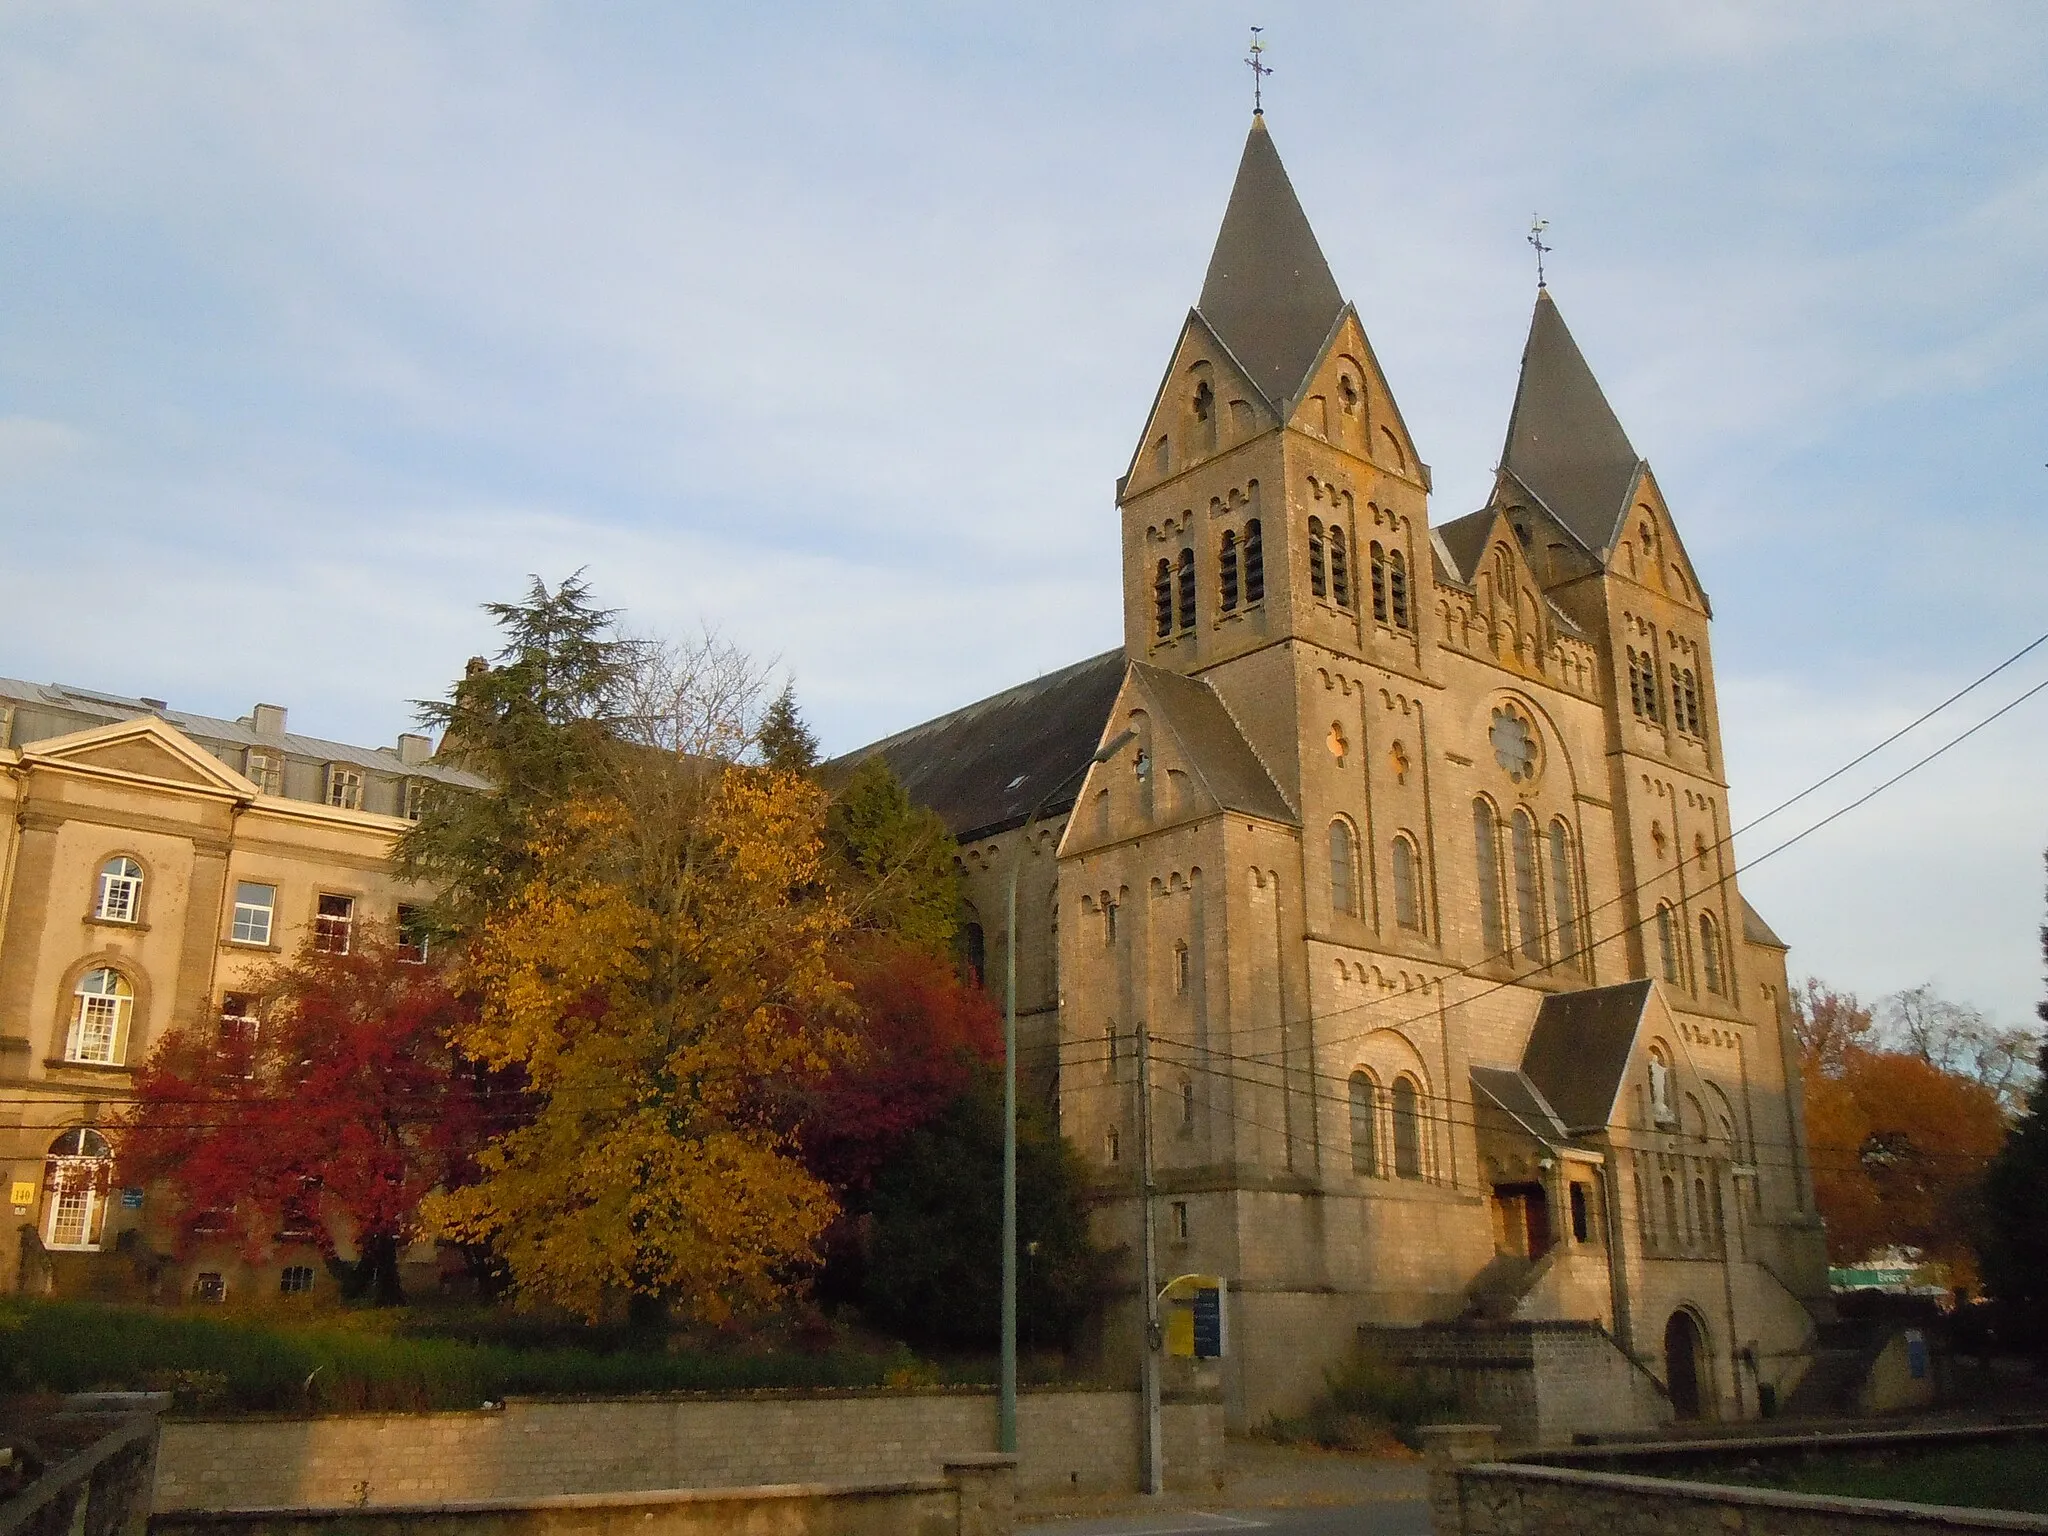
x=1259, y=73
x=1536, y=227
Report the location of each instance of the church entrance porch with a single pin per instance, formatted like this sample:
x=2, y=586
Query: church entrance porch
x=1521, y=1220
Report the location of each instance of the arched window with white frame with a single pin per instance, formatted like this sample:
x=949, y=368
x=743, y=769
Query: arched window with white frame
x=78, y=1174
x=120, y=893
x=102, y=1008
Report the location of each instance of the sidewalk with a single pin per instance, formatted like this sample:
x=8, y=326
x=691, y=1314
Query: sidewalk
x=1260, y=1476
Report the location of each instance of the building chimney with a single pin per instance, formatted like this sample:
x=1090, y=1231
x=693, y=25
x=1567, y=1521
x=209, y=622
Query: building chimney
x=414, y=750
x=269, y=719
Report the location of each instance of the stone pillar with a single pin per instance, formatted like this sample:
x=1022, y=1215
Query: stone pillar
x=1445, y=1448
x=987, y=1485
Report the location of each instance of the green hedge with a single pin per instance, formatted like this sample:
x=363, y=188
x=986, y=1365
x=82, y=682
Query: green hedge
x=360, y=1361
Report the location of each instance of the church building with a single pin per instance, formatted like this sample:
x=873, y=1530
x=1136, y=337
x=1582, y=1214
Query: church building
x=1409, y=895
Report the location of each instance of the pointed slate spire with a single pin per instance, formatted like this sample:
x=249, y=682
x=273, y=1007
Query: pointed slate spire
x=1269, y=294
x=1564, y=442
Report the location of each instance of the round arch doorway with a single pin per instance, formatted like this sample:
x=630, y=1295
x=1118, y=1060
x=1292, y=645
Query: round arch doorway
x=1685, y=1360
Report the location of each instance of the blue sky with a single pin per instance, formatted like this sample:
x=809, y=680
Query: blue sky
x=832, y=326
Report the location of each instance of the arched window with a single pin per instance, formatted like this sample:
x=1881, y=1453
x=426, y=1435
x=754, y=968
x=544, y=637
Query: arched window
x=1486, y=843
x=1318, y=572
x=1340, y=568
x=1254, y=564
x=1343, y=877
x=1564, y=910
x=1710, y=952
x=1686, y=705
x=1528, y=908
x=1226, y=572
x=1379, y=581
x=1187, y=1106
x=79, y=1177
x=120, y=899
x=1407, y=1129
x=1642, y=684
x=1699, y=1209
x=1187, y=589
x=1365, y=1125
x=1180, y=967
x=1162, y=600
x=1671, y=1226
x=1667, y=944
x=1397, y=588
x=1407, y=887
x=99, y=1019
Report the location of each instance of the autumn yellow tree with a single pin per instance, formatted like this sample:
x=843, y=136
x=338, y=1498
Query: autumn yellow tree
x=1899, y=1143
x=661, y=972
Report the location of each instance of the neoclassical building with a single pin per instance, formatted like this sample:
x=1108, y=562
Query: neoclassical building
x=152, y=864
x=1413, y=887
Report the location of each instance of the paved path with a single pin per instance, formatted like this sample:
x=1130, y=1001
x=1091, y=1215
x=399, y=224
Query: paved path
x=1271, y=1488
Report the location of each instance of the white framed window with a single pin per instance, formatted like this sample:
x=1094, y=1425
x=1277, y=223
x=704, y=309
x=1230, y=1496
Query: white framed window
x=120, y=894
x=295, y=1280
x=344, y=788
x=412, y=935
x=102, y=1003
x=239, y=1026
x=255, y=912
x=265, y=770
x=80, y=1170
x=334, y=921
x=413, y=799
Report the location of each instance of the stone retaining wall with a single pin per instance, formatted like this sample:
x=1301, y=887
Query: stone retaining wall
x=974, y=1498
x=1070, y=1442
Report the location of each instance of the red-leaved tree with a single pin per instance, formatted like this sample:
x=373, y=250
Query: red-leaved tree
x=325, y=1117
x=925, y=1032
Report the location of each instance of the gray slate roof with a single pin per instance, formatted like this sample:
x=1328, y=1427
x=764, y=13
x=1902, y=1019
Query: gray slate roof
x=982, y=768
x=1756, y=930
x=1464, y=542
x=1565, y=443
x=1578, y=1052
x=1514, y=1092
x=95, y=708
x=1216, y=748
x=1269, y=294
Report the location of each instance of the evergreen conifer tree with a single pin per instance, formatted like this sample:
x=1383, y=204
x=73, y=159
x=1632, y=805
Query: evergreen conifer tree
x=787, y=744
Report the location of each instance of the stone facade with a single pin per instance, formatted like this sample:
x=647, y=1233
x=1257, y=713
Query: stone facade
x=150, y=865
x=1068, y=1442
x=1410, y=895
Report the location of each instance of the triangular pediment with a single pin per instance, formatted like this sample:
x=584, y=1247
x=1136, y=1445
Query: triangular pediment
x=1345, y=401
x=1648, y=548
x=1188, y=761
x=1178, y=434
x=145, y=748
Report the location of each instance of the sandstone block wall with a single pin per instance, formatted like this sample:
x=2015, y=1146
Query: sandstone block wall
x=1069, y=1441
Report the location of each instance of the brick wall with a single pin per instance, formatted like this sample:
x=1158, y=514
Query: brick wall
x=1069, y=1441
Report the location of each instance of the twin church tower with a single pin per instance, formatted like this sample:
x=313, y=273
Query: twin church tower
x=1413, y=885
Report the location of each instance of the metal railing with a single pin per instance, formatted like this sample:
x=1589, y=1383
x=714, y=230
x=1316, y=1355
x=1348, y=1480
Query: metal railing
x=103, y=1490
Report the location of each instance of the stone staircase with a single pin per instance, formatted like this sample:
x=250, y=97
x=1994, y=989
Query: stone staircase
x=1843, y=1354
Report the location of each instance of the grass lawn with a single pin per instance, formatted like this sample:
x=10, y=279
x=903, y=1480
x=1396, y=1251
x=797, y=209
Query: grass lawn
x=402, y=1358
x=2013, y=1475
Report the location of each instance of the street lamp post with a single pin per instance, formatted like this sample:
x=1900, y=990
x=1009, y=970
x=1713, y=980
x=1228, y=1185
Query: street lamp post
x=1007, y=1431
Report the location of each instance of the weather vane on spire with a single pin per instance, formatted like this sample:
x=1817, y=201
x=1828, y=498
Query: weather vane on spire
x=1259, y=73
x=1536, y=227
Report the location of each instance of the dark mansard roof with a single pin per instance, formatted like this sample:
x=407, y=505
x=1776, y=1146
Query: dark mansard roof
x=983, y=768
x=1269, y=295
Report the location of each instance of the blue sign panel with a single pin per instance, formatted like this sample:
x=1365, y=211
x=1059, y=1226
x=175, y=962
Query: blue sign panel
x=131, y=1199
